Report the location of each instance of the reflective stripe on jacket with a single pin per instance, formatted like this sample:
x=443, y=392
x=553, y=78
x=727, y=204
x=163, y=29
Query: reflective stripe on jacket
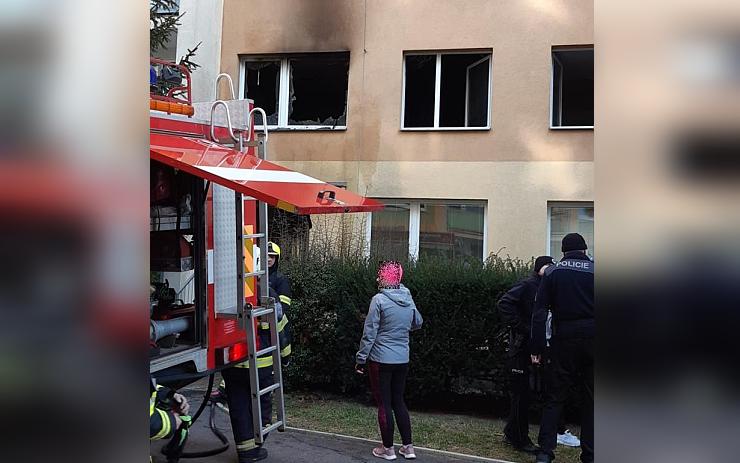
x=266, y=341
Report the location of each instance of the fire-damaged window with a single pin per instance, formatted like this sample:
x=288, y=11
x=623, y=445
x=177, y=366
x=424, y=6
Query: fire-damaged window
x=572, y=87
x=447, y=90
x=303, y=91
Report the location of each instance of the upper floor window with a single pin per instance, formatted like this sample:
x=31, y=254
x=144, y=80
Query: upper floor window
x=572, y=88
x=304, y=91
x=446, y=91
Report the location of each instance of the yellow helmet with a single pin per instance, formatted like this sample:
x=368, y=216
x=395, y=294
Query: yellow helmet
x=273, y=249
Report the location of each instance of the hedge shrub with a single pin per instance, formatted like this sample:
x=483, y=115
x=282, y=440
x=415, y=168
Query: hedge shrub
x=457, y=355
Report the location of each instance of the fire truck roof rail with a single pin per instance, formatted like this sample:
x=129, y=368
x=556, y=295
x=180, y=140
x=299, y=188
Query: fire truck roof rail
x=229, y=127
x=231, y=85
x=250, y=121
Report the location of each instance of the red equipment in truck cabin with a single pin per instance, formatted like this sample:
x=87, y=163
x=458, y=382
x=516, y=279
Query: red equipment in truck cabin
x=184, y=143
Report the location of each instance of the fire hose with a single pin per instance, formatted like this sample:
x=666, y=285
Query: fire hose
x=175, y=455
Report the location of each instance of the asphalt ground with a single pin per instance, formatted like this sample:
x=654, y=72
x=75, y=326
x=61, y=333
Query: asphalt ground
x=291, y=446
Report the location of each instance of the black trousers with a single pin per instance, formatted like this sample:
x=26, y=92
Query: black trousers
x=517, y=425
x=388, y=383
x=238, y=394
x=571, y=362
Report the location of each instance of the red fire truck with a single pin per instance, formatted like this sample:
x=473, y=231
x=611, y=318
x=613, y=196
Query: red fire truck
x=211, y=186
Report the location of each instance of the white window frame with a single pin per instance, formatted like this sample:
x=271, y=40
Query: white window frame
x=559, y=204
x=553, y=59
x=437, y=89
x=283, y=94
x=415, y=221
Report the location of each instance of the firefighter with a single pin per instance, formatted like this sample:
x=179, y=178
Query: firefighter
x=238, y=389
x=515, y=308
x=278, y=281
x=168, y=417
x=567, y=290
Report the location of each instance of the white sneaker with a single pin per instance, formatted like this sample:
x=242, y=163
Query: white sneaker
x=385, y=453
x=569, y=439
x=408, y=452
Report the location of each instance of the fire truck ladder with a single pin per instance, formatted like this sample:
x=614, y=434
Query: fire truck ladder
x=250, y=316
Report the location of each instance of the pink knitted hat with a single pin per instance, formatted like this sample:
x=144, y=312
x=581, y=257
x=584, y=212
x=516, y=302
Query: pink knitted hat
x=390, y=274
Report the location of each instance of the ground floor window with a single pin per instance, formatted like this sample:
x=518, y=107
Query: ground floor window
x=564, y=218
x=419, y=229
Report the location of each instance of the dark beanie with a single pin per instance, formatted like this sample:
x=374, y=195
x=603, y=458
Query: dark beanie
x=541, y=262
x=573, y=242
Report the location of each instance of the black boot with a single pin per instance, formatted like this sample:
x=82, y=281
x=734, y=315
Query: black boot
x=255, y=454
x=527, y=446
x=543, y=458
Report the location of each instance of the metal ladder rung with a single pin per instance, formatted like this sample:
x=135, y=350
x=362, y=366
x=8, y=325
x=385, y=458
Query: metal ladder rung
x=269, y=389
x=272, y=427
x=254, y=274
x=259, y=312
x=251, y=236
x=264, y=351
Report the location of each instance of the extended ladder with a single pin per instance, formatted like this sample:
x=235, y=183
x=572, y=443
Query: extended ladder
x=249, y=316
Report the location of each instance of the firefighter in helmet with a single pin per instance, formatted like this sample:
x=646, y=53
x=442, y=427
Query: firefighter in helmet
x=278, y=281
x=235, y=389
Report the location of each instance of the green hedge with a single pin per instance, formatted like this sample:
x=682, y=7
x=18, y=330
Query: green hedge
x=457, y=355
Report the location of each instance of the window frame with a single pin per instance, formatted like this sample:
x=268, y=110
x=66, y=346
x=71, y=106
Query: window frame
x=437, y=89
x=553, y=58
x=415, y=221
x=564, y=204
x=284, y=92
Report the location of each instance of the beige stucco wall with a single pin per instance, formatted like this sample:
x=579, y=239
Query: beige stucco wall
x=517, y=193
x=517, y=166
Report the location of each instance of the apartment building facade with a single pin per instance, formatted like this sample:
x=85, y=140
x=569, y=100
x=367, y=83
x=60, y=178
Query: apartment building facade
x=471, y=119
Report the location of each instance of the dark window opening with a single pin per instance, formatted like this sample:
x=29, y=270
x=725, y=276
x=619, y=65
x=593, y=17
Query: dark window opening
x=573, y=88
x=419, y=92
x=318, y=90
x=464, y=91
x=262, y=84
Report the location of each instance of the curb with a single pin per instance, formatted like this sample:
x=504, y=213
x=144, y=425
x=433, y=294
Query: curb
x=439, y=452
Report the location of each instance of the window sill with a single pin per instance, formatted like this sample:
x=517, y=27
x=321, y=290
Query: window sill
x=445, y=129
x=303, y=128
x=572, y=127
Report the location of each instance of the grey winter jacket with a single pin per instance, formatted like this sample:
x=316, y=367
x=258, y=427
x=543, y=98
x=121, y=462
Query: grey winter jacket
x=391, y=317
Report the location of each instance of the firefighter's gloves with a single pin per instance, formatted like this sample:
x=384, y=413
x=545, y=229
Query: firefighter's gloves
x=180, y=404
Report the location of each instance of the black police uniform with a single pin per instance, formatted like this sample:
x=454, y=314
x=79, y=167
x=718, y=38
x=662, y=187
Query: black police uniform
x=515, y=309
x=567, y=289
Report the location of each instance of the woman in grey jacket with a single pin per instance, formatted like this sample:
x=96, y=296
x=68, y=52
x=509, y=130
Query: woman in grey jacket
x=384, y=352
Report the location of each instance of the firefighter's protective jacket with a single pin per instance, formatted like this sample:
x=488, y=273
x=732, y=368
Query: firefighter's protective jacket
x=265, y=337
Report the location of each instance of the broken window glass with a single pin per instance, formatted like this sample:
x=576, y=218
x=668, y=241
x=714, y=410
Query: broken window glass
x=573, y=88
x=318, y=90
x=419, y=91
x=457, y=98
x=262, y=84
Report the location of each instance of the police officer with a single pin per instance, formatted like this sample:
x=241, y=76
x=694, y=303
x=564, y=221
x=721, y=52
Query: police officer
x=567, y=290
x=515, y=308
